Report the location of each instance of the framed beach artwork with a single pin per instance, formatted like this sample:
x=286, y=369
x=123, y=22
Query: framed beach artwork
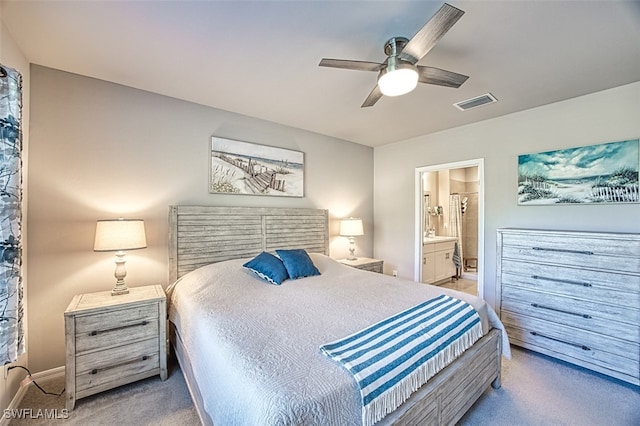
x=603, y=173
x=237, y=167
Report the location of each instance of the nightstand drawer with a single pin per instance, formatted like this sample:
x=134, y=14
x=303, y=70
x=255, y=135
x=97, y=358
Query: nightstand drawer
x=372, y=267
x=365, y=264
x=116, y=327
x=98, y=368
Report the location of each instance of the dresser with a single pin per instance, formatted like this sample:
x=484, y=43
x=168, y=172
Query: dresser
x=574, y=296
x=114, y=340
x=364, y=263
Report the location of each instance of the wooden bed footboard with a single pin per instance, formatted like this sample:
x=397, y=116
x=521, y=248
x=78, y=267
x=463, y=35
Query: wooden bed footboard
x=446, y=397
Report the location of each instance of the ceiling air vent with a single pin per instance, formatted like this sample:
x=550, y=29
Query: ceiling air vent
x=487, y=98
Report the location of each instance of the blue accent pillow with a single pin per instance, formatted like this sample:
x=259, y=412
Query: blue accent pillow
x=298, y=263
x=268, y=267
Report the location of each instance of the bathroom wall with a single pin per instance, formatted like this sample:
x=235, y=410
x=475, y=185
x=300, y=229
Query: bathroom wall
x=465, y=183
x=440, y=185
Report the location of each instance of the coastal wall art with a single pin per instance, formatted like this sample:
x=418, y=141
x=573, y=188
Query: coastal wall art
x=247, y=168
x=603, y=173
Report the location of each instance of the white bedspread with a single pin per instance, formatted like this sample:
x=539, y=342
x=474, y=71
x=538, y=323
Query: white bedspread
x=254, y=347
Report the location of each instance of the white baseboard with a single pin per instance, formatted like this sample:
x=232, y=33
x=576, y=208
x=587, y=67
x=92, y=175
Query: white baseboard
x=53, y=373
x=24, y=386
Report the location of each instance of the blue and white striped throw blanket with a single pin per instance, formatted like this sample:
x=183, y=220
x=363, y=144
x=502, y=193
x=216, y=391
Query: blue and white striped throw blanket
x=391, y=359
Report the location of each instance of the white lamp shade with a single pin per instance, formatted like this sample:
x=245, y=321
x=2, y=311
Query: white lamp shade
x=120, y=234
x=351, y=227
x=398, y=82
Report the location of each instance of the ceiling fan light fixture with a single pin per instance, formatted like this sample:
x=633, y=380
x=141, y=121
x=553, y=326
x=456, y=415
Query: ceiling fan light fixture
x=399, y=73
x=398, y=81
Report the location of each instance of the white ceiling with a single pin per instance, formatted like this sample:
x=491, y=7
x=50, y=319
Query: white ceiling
x=261, y=58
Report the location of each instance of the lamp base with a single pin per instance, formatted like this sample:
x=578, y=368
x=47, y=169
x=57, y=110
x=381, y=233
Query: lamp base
x=352, y=249
x=118, y=291
x=120, y=273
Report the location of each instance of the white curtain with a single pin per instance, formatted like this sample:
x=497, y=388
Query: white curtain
x=11, y=307
x=455, y=226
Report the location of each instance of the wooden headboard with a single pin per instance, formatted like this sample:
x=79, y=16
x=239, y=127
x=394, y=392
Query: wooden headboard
x=200, y=235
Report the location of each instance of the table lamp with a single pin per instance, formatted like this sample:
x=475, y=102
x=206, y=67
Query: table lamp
x=119, y=235
x=351, y=228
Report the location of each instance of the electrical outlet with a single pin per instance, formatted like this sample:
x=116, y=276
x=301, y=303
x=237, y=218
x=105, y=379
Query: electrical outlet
x=6, y=371
x=395, y=273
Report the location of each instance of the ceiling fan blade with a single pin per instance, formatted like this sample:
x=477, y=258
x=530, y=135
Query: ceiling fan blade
x=350, y=65
x=431, y=75
x=373, y=97
x=428, y=36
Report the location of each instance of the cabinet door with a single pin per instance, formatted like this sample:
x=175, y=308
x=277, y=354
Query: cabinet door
x=444, y=265
x=428, y=268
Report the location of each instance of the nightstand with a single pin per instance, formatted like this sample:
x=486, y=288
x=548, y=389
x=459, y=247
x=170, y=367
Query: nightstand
x=114, y=340
x=364, y=263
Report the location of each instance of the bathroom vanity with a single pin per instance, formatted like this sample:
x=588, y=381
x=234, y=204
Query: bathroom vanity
x=437, y=259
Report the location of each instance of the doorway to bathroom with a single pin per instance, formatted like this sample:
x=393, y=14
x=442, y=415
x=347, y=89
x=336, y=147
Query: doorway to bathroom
x=450, y=217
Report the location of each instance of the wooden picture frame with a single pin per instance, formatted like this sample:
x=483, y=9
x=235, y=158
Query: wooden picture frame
x=595, y=174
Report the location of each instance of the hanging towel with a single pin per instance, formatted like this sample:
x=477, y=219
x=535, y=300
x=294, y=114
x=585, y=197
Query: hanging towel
x=456, y=256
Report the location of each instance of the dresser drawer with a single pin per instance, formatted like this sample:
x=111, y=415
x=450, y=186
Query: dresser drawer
x=116, y=327
x=569, y=335
x=98, y=368
x=620, y=289
x=578, y=345
x=572, y=257
x=568, y=242
x=607, y=362
x=614, y=321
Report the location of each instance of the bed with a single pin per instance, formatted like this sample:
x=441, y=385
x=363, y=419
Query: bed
x=250, y=352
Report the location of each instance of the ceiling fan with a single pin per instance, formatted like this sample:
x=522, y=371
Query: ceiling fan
x=399, y=74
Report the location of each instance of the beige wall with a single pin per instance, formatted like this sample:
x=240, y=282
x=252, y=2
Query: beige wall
x=11, y=56
x=101, y=150
x=606, y=116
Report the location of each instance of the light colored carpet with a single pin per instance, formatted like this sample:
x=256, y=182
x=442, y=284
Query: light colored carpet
x=147, y=402
x=536, y=390
x=539, y=390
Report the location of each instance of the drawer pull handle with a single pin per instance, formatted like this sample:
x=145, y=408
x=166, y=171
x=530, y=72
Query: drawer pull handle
x=143, y=358
x=563, y=250
x=558, y=280
x=535, y=305
x=138, y=324
x=577, y=345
